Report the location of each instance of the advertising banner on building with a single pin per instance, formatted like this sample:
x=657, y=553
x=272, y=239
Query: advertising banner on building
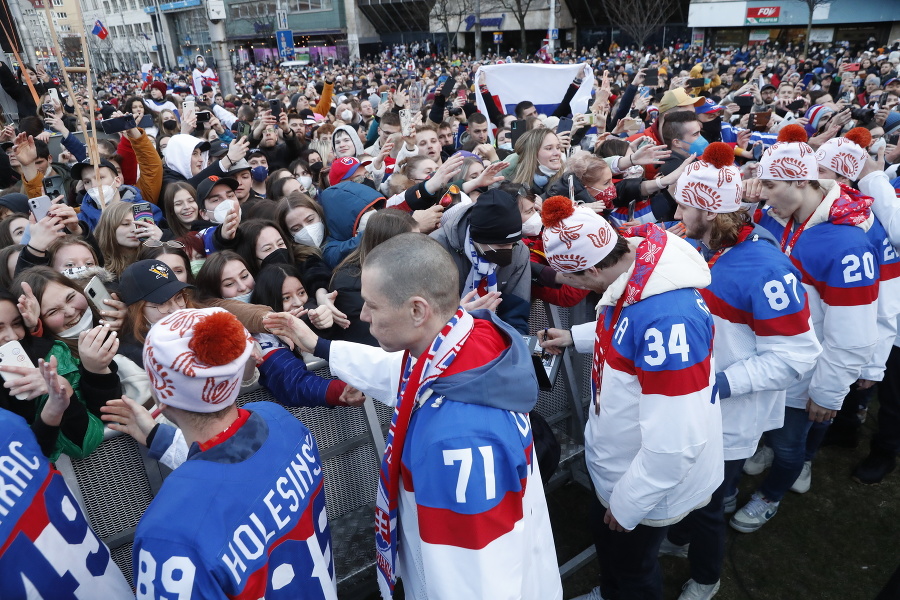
x=759, y=15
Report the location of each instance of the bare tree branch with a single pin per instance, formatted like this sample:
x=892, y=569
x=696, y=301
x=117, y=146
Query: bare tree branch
x=811, y=4
x=449, y=13
x=639, y=18
x=519, y=9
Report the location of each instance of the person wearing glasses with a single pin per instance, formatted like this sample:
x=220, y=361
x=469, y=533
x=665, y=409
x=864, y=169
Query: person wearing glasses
x=150, y=290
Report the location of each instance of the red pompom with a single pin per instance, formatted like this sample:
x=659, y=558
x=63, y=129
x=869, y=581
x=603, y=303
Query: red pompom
x=555, y=209
x=718, y=154
x=218, y=339
x=860, y=136
x=793, y=133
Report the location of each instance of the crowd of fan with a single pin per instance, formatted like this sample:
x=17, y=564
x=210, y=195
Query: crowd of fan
x=271, y=199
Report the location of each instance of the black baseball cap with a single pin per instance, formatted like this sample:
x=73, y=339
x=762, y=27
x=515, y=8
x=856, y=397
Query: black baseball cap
x=206, y=186
x=495, y=218
x=254, y=152
x=77, y=168
x=150, y=280
x=218, y=149
x=768, y=86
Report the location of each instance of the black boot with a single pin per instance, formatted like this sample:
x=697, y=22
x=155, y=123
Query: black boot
x=875, y=467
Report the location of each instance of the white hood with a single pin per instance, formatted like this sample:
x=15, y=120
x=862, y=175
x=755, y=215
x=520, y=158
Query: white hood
x=178, y=154
x=680, y=266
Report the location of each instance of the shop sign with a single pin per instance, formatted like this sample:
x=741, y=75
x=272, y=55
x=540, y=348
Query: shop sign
x=759, y=35
x=759, y=15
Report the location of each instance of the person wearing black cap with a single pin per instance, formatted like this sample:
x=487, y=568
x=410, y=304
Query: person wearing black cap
x=765, y=99
x=483, y=239
x=259, y=172
x=219, y=205
x=151, y=291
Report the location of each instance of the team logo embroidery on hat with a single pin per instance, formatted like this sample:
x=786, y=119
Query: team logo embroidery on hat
x=213, y=178
x=701, y=195
x=787, y=167
x=160, y=271
x=567, y=233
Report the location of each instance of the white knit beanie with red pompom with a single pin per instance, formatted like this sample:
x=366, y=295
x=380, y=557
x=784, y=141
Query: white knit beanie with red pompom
x=846, y=155
x=195, y=359
x=713, y=182
x=791, y=159
x=575, y=238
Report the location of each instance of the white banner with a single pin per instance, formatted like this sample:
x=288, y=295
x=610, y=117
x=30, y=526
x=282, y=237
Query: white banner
x=544, y=85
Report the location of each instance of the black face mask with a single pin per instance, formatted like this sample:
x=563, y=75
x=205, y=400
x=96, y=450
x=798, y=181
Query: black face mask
x=502, y=257
x=170, y=125
x=282, y=256
x=712, y=130
x=369, y=183
x=449, y=149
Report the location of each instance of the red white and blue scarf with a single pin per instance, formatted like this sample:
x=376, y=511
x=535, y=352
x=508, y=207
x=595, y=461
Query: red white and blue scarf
x=416, y=379
x=646, y=258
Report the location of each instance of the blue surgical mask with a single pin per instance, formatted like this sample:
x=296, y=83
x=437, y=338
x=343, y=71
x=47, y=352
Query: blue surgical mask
x=698, y=146
x=259, y=173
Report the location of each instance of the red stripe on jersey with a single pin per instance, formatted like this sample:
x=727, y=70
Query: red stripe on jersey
x=472, y=532
x=723, y=310
x=889, y=271
x=786, y=325
x=675, y=383
x=406, y=478
x=35, y=518
x=255, y=586
x=854, y=296
x=616, y=361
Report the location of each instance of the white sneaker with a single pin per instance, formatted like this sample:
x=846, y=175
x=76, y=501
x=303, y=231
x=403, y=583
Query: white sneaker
x=667, y=548
x=804, y=480
x=754, y=514
x=698, y=591
x=760, y=461
x=594, y=594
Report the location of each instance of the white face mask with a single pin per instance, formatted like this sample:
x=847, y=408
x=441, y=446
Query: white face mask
x=220, y=213
x=364, y=220
x=346, y=115
x=311, y=235
x=87, y=320
x=532, y=226
x=305, y=181
x=546, y=170
x=108, y=193
x=877, y=146
x=243, y=297
x=201, y=65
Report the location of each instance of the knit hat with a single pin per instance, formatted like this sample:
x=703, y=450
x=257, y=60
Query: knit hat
x=790, y=159
x=846, y=155
x=195, y=359
x=159, y=85
x=495, y=218
x=575, y=238
x=814, y=116
x=711, y=183
x=892, y=123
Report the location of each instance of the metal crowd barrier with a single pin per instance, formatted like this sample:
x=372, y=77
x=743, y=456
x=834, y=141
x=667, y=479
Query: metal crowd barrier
x=116, y=483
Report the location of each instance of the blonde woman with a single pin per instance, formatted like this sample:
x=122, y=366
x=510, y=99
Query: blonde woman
x=120, y=237
x=540, y=160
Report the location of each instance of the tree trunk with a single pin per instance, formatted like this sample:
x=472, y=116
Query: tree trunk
x=522, y=42
x=808, y=33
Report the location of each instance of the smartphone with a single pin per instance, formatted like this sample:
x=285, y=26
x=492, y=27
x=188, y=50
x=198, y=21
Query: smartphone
x=407, y=118
x=448, y=87
x=795, y=105
x=745, y=104
x=142, y=212
x=384, y=96
x=54, y=186
x=651, y=77
x=591, y=118
x=516, y=129
x=757, y=151
x=54, y=94
x=118, y=124
x=565, y=124
x=644, y=91
x=96, y=292
x=188, y=105
x=204, y=116
x=760, y=121
x=463, y=94
x=852, y=67
x=40, y=206
x=274, y=105
x=695, y=83
x=12, y=354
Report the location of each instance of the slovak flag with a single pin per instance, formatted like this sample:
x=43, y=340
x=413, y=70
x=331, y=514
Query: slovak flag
x=99, y=30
